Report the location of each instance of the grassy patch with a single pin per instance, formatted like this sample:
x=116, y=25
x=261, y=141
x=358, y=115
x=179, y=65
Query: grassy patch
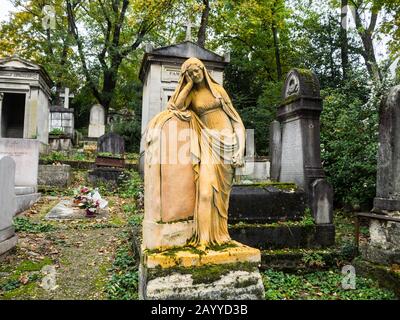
x=320, y=285
x=123, y=280
x=26, y=225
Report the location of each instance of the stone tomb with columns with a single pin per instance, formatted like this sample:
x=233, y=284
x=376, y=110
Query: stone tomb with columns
x=24, y=100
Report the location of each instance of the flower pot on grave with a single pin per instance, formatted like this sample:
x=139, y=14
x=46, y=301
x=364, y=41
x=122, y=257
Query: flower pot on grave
x=90, y=213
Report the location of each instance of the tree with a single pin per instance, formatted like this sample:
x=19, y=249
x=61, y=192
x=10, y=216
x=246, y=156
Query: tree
x=28, y=37
x=366, y=34
x=344, y=45
x=115, y=30
x=201, y=35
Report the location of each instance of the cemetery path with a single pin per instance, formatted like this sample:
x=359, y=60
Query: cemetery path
x=62, y=259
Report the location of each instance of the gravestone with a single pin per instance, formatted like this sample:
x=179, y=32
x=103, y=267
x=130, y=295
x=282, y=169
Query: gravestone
x=111, y=143
x=275, y=145
x=97, y=121
x=384, y=245
x=110, y=160
x=8, y=239
x=299, y=152
x=25, y=153
x=159, y=73
x=24, y=100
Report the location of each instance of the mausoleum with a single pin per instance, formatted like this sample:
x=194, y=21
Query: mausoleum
x=24, y=100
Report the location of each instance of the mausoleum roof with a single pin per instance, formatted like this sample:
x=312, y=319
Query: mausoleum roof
x=177, y=53
x=16, y=63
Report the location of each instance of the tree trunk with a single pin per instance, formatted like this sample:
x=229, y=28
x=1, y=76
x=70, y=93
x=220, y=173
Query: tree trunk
x=201, y=35
x=344, y=45
x=277, y=53
x=368, y=48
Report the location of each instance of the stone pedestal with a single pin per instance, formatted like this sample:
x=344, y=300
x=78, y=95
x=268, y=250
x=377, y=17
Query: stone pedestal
x=226, y=272
x=8, y=239
x=384, y=245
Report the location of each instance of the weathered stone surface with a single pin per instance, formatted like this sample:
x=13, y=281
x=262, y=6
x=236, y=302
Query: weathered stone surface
x=254, y=169
x=265, y=203
x=106, y=174
x=226, y=272
x=236, y=285
x=57, y=176
x=275, y=149
x=322, y=201
x=25, y=200
x=384, y=244
x=8, y=244
x=166, y=235
x=112, y=143
x=235, y=253
x=7, y=204
x=299, y=117
x=388, y=177
x=97, y=124
x=62, y=118
x=25, y=153
x=60, y=144
x=279, y=237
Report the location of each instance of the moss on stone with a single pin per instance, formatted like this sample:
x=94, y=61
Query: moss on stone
x=284, y=186
x=291, y=99
x=307, y=222
x=203, y=274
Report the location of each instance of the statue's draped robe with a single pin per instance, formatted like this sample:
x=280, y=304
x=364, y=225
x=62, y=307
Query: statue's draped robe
x=211, y=157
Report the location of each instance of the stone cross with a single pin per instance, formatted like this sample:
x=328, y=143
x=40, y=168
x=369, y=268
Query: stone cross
x=188, y=26
x=66, y=95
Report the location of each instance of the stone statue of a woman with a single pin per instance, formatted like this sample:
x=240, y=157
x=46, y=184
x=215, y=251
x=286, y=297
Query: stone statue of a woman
x=217, y=141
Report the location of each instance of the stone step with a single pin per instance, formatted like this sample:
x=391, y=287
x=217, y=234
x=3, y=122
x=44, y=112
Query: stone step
x=25, y=201
x=22, y=190
x=266, y=202
x=279, y=236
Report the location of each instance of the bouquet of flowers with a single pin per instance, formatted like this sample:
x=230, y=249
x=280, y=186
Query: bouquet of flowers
x=88, y=199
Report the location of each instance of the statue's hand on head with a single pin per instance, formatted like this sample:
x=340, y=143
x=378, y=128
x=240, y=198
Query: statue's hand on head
x=189, y=80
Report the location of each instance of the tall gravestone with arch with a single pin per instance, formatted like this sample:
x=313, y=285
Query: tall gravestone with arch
x=295, y=145
x=384, y=244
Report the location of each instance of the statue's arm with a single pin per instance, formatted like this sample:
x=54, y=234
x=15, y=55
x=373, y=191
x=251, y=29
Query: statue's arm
x=184, y=94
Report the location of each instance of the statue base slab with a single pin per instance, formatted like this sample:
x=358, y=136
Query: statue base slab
x=229, y=271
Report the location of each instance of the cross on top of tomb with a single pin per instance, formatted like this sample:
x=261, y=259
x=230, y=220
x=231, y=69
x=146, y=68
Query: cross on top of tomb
x=188, y=26
x=66, y=95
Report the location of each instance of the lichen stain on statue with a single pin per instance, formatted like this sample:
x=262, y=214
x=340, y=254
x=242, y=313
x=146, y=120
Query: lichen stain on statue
x=191, y=150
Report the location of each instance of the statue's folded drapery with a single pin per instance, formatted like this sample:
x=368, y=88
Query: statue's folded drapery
x=211, y=151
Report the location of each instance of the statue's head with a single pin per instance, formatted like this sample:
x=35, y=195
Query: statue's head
x=195, y=69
